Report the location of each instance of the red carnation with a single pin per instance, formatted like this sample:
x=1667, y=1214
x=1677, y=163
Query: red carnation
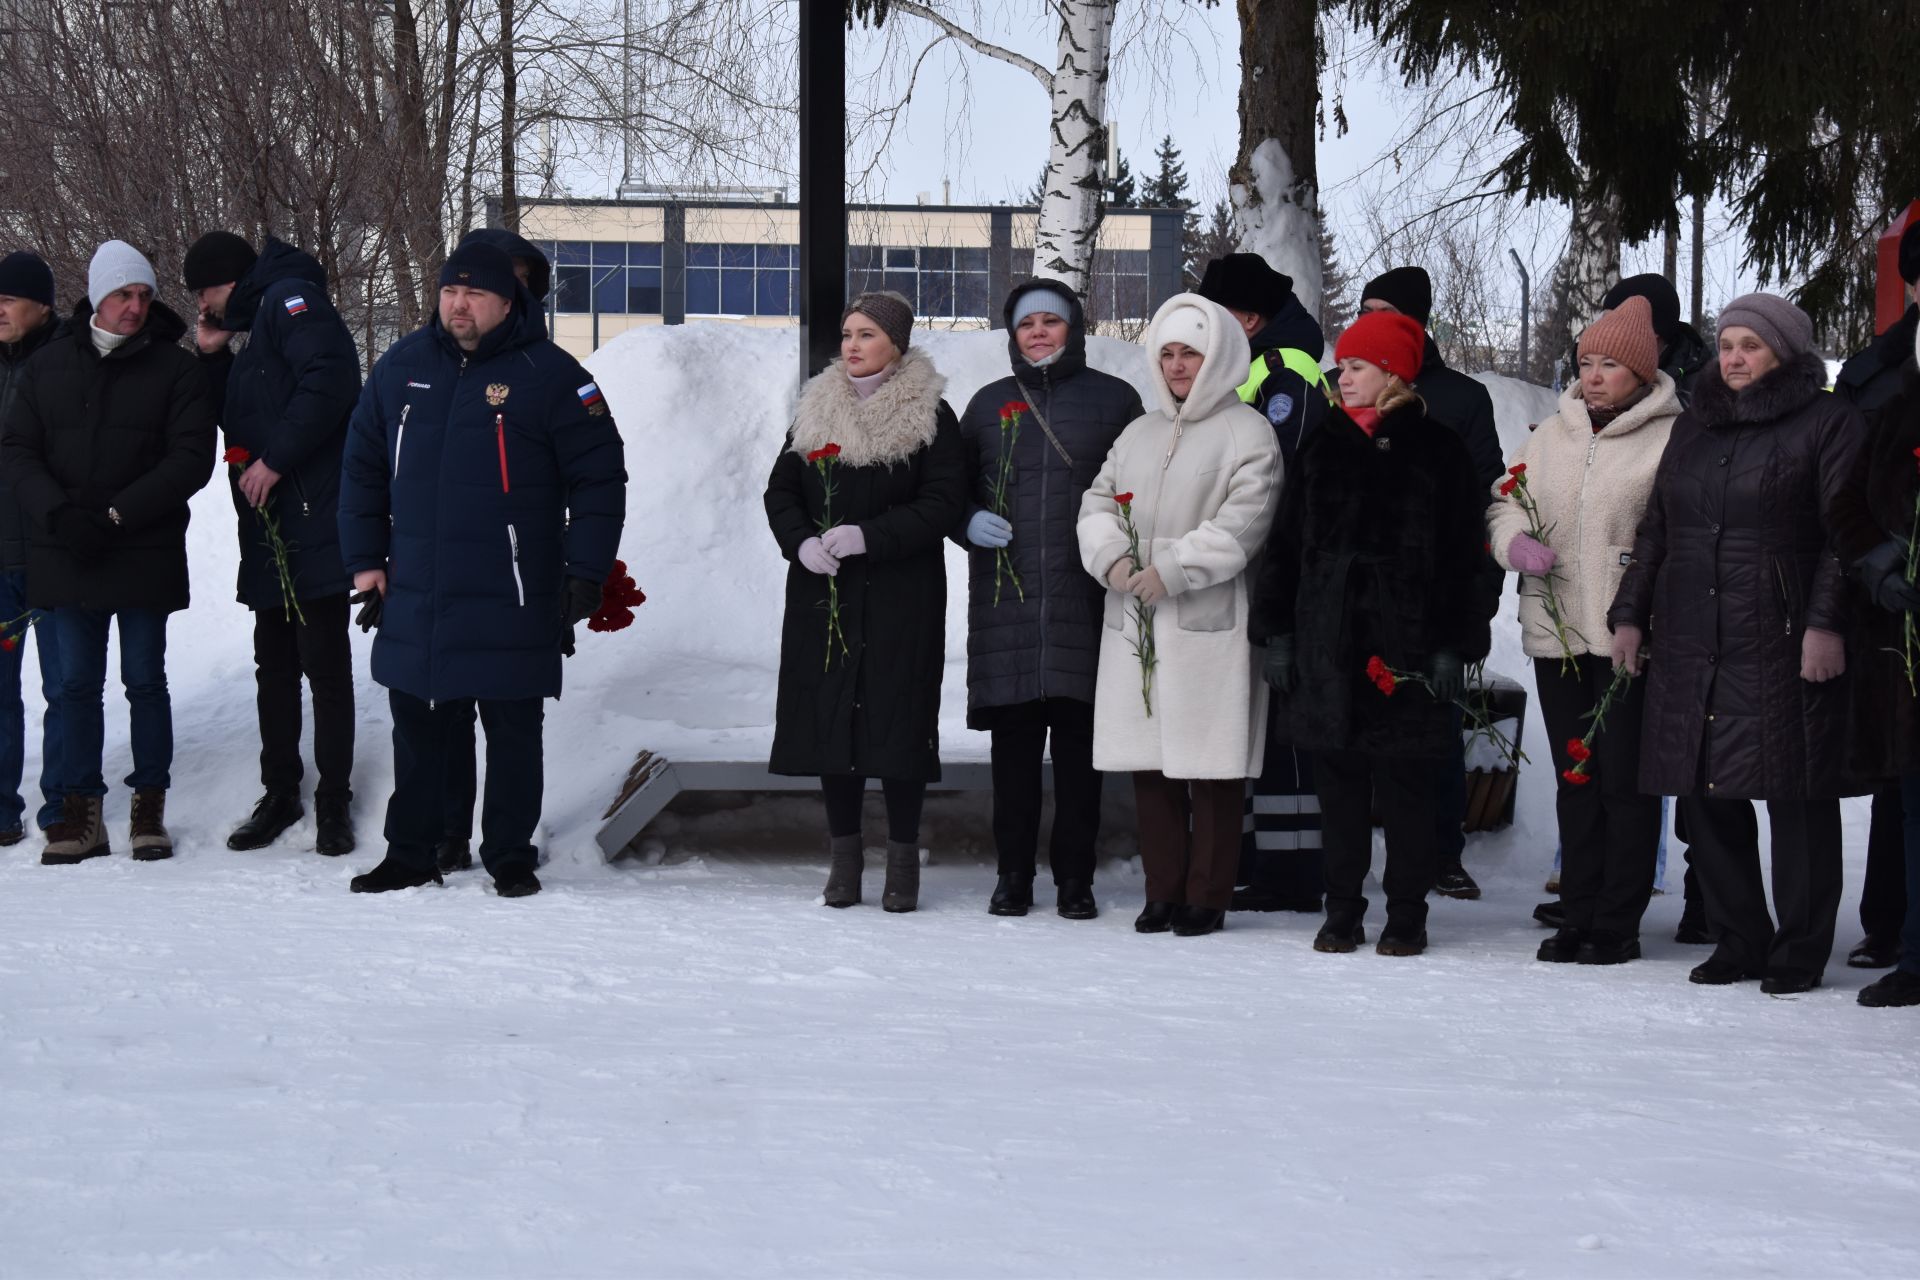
x=1124, y=499
x=1382, y=675
x=236, y=457
x=1517, y=469
x=823, y=452
x=1013, y=408
x=1576, y=777
x=1578, y=750
x=10, y=643
x=1506, y=487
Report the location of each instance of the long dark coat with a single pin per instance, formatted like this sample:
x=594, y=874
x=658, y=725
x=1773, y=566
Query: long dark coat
x=875, y=710
x=480, y=481
x=1731, y=565
x=1877, y=506
x=1378, y=549
x=13, y=370
x=285, y=399
x=1045, y=644
x=131, y=432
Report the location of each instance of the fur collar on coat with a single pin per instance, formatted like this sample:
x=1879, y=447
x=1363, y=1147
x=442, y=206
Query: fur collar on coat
x=888, y=427
x=1779, y=392
x=1661, y=401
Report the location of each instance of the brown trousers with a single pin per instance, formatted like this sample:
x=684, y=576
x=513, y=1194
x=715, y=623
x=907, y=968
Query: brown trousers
x=1190, y=837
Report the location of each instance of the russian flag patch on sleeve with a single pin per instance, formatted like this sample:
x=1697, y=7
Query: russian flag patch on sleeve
x=296, y=305
x=592, y=400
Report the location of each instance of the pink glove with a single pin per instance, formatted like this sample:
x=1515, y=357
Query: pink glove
x=1626, y=648
x=844, y=540
x=1120, y=577
x=817, y=559
x=1823, y=655
x=1147, y=587
x=1529, y=555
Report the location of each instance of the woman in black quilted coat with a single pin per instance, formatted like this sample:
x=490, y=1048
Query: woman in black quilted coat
x=1032, y=648
x=1737, y=593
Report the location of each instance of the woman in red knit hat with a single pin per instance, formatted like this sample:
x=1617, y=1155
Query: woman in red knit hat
x=1374, y=555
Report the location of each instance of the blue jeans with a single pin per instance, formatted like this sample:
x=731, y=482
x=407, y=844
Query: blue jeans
x=1910, y=814
x=13, y=712
x=143, y=671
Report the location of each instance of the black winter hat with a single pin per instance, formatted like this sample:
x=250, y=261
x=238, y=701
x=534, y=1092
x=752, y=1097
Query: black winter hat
x=1660, y=295
x=1910, y=253
x=1407, y=288
x=26, y=275
x=216, y=258
x=1245, y=282
x=480, y=266
x=539, y=270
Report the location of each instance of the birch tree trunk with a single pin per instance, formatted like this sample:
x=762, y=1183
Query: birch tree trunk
x=1070, y=205
x=1274, y=183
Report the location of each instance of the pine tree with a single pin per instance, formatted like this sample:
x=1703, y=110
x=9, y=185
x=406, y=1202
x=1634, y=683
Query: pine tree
x=1166, y=189
x=1336, y=309
x=1216, y=239
x=1121, y=187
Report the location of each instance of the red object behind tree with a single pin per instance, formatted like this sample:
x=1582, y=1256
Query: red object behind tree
x=1890, y=291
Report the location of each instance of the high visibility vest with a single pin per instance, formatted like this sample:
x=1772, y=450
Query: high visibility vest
x=1296, y=361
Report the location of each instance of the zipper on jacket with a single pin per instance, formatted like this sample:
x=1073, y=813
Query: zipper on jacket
x=301, y=489
x=500, y=438
x=1580, y=509
x=1786, y=600
x=513, y=544
x=400, y=437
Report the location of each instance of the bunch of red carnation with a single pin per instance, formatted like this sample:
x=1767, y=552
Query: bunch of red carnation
x=1382, y=675
x=1579, y=752
x=619, y=597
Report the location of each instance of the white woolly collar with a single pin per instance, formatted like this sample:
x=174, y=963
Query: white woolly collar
x=889, y=426
x=1663, y=401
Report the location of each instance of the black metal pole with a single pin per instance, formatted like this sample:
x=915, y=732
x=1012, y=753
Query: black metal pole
x=823, y=181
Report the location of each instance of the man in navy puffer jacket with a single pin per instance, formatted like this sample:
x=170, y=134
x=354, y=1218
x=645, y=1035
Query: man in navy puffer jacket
x=480, y=510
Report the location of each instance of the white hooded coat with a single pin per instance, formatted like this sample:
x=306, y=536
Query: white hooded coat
x=1205, y=479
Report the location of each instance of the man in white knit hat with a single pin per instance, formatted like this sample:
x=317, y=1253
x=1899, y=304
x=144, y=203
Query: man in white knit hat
x=112, y=433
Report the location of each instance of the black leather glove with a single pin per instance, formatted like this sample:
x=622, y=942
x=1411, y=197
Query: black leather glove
x=1278, y=667
x=371, y=604
x=1883, y=571
x=1448, y=676
x=580, y=601
x=86, y=535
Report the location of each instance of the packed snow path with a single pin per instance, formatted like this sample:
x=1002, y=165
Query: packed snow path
x=229, y=1066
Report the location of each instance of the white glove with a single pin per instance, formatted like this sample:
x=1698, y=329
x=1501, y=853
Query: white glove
x=815, y=557
x=844, y=540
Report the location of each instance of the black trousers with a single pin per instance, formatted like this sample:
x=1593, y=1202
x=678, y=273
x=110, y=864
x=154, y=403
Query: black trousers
x=1609, y=831
x=284, y=652
x=1352, y=785
x=1806, y=880
x=462, y=778
x=1019, y=737
x=515, y=778
x=1883, y=895
x=846, y=798
x=1280, y=847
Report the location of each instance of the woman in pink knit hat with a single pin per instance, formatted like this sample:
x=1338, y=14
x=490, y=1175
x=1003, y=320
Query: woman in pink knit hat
x=1589, y=470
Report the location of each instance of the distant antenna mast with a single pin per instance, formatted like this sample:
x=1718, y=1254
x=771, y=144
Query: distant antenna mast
x=633, y=91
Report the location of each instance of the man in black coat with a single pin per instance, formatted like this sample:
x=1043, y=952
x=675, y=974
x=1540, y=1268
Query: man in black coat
x=1683, y=353
x=455, y=850
x=112, y=434
x=27, y=324
x=1280, y=859
x=1462, y=404
x=1033, y=649
x=482, y=497
x=283, y=400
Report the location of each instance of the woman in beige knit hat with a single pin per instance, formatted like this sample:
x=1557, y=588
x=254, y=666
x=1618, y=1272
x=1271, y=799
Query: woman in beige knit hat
x=1589, y=469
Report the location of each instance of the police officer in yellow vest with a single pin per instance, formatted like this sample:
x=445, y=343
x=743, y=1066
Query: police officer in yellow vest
x=1280, y=850
x=1285, y=382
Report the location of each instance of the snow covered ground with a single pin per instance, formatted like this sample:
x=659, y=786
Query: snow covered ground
x=681, y=1065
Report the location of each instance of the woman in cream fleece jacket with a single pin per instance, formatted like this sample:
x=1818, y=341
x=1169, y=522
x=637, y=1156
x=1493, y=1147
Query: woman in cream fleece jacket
x=1590, y=469
x=1203, y=472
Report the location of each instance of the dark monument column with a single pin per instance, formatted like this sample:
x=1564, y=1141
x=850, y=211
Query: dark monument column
x=823, y=181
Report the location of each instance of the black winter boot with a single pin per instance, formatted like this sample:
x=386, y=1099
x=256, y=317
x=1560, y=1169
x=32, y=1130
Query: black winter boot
x=273, y=813
x=1155, y=917
x=1193, y=922
x=1073, y=899
x=1602, y=947
x=391, y=875
x=1012, y=895
x=902, y=890
x=516, y=884
x=333, y=822
x=1340, y=934
x=1897, y=990
x=1562, y=948
x=1402, y=938
x=847, y=859
x=452, y=855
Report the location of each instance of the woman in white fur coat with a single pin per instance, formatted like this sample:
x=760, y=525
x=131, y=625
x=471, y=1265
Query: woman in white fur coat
x=1590, y=469
x=1202, y=474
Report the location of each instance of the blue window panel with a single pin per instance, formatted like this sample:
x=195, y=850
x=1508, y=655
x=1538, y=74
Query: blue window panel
x=936, y=259
x=572, y=253
x=936, y=293
x=969, y=293
x=778, y=256
x=970, y=259
x=609, y=253
x=643, y=291
x=1129, y=295
x=736, y=255
x=902, y=259
x=609, y=289
x=736, y=293
x=643, y=255
x=862, y=282
x=771, y=293
x=703, y=255
x=904, y=283
x=703, y=290
x=572, y=288
x=863, y=257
